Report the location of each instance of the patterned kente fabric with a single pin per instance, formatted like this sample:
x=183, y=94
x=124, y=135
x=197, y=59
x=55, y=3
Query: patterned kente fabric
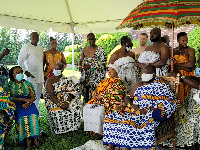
x=183, y=89
x=188, y=126
x=65, y=120
x=132, y=130
x=95, y=74
x=27, y=119
x=51, y=60
x=113, y=91
x=7, y=108
x=128, y=72
x=151, y=57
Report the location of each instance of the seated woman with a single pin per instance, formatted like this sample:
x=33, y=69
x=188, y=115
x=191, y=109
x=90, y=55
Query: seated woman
x=63, y=101
x=110, y=91
x=23, y=94
x=149, y=102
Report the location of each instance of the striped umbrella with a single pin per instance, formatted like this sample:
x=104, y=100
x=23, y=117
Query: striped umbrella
x=167, y=14
x=164, y=14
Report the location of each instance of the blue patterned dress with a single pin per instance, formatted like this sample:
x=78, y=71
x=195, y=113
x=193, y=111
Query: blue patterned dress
x=127, y=129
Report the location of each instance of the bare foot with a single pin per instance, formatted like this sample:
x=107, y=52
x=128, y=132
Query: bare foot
x=28, y=143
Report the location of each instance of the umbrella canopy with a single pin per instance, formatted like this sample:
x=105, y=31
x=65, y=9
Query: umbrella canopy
x=163, y=14
x=79, y=16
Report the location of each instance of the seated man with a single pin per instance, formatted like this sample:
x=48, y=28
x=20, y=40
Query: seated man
x=63, y=101
x=149, y=102
x=110, y=91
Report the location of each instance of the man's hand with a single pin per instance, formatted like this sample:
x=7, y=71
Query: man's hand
x=86, y=66
x=135, y=107
x=143, y=111
x=5, y=52
x=64, y=106
x=28, y=74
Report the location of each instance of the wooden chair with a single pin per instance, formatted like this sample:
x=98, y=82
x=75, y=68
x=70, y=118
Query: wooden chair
x=166, y=129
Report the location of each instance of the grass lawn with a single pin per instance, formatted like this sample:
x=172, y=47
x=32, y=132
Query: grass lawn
x=54, y=142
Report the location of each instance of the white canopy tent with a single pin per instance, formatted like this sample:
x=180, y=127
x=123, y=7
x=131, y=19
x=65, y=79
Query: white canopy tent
x=66, y=16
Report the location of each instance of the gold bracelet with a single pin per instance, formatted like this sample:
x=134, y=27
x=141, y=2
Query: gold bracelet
x=183, y=77
x=68, y=102
x=59, y=104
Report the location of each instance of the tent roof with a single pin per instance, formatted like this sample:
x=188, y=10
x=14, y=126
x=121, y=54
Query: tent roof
x=98, y=16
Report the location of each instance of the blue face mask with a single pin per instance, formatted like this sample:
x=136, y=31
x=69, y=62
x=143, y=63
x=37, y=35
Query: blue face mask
x=57, y=72
x=19, y=77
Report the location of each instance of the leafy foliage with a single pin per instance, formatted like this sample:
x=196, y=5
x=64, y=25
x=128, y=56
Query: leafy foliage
x=76, y=58
x=69, y=48
x=12, y=39
x=194, y=40
x=109, y=41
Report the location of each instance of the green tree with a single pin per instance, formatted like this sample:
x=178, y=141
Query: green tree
x=194, y=40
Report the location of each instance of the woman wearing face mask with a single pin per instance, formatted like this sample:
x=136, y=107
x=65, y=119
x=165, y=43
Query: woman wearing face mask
x=26, y=113
x=63, y=101
x=51, y=57
x=148, y=103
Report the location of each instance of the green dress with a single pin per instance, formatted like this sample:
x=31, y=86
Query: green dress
x=27, y=119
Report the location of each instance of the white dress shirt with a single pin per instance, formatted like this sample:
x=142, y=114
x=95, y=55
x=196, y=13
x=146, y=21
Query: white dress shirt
x=31, y=59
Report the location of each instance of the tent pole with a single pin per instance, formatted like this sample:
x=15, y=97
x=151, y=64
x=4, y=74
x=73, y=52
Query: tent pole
x=172, y=49
x=73, y=53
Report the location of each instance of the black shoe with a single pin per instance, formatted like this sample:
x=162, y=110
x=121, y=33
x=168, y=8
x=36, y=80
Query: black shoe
x=44, y=134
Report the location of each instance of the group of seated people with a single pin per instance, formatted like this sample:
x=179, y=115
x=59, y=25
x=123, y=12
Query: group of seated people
x=131, y=116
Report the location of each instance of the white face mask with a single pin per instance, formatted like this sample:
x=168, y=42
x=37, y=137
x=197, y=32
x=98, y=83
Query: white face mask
x=146, y=77
x=57, y=72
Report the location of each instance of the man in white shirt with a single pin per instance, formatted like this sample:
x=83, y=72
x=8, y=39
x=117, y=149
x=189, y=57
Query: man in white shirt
x=30, y=59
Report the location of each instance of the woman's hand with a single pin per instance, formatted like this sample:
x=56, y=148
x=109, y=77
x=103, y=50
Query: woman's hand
x=99, y=97
x=26, y=105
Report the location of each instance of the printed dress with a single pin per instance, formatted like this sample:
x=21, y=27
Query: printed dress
x=51, y=60
x=95, y=74
x=127, y=71
x=183, y=89
x=132, y=130
x=27, y=119
x=112, y=91
x=151, y=57
x=7, y=108
x=65, y=120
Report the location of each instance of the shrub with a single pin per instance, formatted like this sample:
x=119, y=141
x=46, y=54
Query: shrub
x=115, y=49
x=69, y=48
x=76, y=58
x=108, y=41
x=194, y=40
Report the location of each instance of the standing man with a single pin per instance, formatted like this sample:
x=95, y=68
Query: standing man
x=156, y=54
x=124, y=59
x=30, y=59
x=92, y=65
x=184, y=63
x=143, y=44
